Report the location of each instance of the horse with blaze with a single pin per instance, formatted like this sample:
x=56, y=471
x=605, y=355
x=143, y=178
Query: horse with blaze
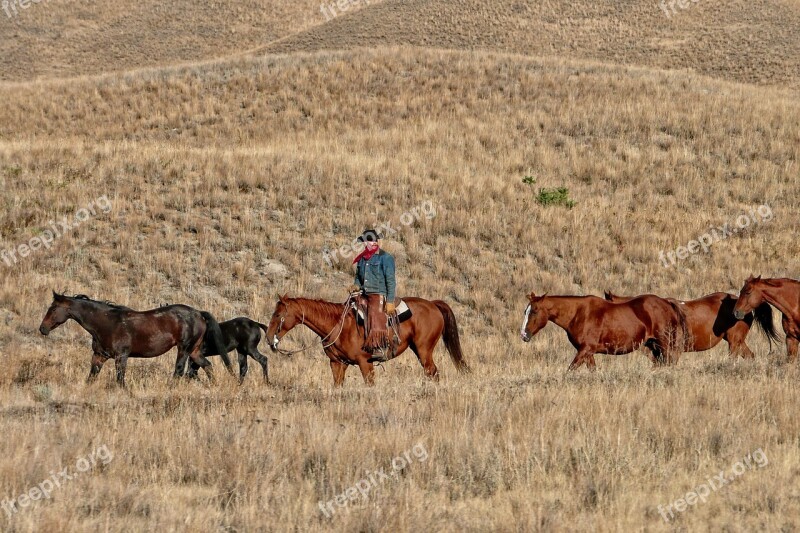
x=596, y=326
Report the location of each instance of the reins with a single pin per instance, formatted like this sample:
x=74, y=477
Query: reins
x=324, y=346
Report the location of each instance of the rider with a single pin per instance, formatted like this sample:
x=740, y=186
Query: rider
x=375, y=277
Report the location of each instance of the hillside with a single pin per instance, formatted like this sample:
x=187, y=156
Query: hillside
x=80, y=37
x=219, y=169
x=747, y=41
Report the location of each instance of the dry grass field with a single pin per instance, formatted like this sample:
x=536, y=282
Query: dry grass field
x=229, y=161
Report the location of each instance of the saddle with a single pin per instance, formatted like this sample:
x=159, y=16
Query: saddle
x=381, y=333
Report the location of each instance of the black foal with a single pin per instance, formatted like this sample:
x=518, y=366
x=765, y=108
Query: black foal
x=244, y=335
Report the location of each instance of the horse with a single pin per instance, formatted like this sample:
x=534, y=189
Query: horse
x=240, y=333
x=781, y=293
x=342, y=337
x=119, y=332
x=710, y=319
x=596, y=326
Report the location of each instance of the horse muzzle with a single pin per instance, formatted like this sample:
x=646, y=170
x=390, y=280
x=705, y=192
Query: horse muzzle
x=44, y=330
x=274, y=344
x=739, y=314
x=524, y=336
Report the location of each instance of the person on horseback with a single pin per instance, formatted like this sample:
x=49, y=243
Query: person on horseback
x=375, y=279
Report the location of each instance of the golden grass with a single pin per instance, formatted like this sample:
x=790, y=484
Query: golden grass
x=753, y=41
x=77, y=37
x=228, y=179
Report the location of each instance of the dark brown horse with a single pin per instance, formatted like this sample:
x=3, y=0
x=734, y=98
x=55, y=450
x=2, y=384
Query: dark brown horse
x=595, y=325
x=119, y=332
x=710, y=319
x=342, y=337
x=781, y=293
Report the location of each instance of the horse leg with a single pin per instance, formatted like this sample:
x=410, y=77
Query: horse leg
x=582, y=354
x=192, y=372
x=262, y=360
x=199, y=359
x=367, y=371
x=242, y=365
x=737, y=346
x=791, y=348
x=121, y=363
x=425, y=358
x=338, y=370
x=97, y=364
x=180, y=364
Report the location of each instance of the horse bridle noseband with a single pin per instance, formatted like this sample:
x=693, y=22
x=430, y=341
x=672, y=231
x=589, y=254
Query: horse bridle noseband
x=347, y=305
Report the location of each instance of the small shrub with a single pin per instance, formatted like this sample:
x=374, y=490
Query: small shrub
x=558, y=196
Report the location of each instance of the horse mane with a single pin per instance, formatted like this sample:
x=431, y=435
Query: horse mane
x=319, y=306
x=109, y=303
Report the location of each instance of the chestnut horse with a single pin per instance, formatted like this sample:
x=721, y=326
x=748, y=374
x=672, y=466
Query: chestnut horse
x=784, y=295
x=595, y=325
x=119, y=332
x=342, y=337
x=710, y=319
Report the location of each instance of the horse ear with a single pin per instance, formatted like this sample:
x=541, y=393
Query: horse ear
x=531, y=296
x=758, y=278
x=607, y=295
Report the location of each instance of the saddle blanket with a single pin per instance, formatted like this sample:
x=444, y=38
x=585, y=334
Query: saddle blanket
x=403, y=313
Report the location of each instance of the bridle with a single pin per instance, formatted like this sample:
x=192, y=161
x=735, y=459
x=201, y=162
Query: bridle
x=347, y=305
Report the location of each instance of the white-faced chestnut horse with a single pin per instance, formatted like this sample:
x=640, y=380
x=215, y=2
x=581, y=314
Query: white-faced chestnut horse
x=596, y=326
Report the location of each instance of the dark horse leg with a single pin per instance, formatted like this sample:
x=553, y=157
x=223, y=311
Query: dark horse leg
x=242, y=365
x=180, y=365
x=121, y=361
x=97, y=363
x=260, y=359
x=196, y=355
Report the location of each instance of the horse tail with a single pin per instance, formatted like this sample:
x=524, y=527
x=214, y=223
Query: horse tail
x=262, y=326
x=214, y=335
x=451, y=339
x=683, y=337
x=763, y=315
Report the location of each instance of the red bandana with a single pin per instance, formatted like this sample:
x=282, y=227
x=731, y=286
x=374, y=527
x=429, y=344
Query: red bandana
x=368, y=252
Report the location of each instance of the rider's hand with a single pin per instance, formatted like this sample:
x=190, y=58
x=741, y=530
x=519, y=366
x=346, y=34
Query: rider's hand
x=390, y=308
x=354, y=288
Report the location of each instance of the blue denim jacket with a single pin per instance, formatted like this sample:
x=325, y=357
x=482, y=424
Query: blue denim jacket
x=376, y=275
